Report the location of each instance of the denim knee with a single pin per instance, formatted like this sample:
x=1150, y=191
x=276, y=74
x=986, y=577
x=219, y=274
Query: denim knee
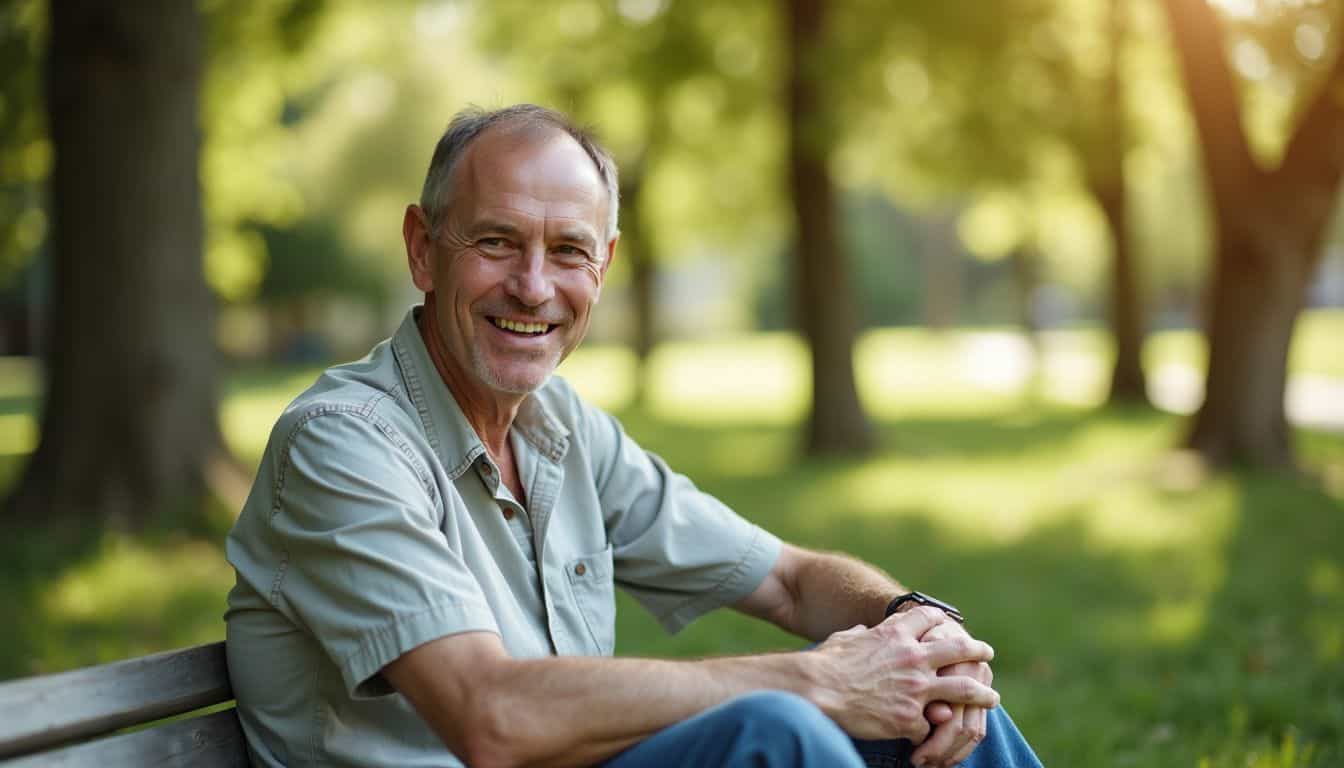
x=785, y=729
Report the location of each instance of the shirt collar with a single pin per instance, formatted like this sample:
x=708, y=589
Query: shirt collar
x=452, y=438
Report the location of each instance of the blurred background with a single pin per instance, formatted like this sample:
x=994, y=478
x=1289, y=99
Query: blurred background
x=1037, y=304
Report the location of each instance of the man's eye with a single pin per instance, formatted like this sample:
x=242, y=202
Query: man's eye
x=571, y=253
x=491, y=242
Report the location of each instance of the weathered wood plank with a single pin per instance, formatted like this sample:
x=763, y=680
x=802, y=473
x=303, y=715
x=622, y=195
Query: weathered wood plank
x=209, y=741
x=40, y=712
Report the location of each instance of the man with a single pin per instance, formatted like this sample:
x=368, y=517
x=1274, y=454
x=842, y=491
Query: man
x=429, y=553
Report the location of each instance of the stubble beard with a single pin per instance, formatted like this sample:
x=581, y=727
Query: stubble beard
x=514, y=385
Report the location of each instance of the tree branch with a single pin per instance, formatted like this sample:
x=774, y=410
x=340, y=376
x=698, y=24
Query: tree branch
x=1215, y=104
x=1313, y=163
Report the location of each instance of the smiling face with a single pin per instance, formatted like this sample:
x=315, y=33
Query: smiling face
x=517, y=263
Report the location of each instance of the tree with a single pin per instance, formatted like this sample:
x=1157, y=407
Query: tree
x=1269, y=225
x=24, y=161
x=128, y=421
x=1107, y=181
x=837, y=423
x=1007, y=101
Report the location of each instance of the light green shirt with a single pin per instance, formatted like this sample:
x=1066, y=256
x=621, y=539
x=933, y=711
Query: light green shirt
x=377, y=523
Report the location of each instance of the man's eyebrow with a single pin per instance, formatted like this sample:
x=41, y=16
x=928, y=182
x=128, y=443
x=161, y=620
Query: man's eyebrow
x=494, y=225
x=577, y=236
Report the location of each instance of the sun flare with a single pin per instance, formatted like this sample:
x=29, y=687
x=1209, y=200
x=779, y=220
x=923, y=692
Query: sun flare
x=1239, y=9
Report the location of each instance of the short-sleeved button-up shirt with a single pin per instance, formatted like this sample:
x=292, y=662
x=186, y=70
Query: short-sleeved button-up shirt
x=378, y=522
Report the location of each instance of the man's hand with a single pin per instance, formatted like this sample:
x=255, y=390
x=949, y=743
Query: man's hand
x=881, y=680
x=958, y=728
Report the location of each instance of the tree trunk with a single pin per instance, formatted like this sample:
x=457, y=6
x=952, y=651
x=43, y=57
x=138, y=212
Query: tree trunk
x=1127, y=380
x=643, y=278
x=1270, y=226
x=1026, y=273
x=825, y=302
x=129, y=418
x=1251, y=313
x=1109, y=188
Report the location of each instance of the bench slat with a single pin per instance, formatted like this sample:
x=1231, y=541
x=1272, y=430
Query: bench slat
x=40, y=712
x=210, y=741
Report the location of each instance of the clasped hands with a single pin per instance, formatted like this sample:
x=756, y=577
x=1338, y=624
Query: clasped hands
x=918, y=675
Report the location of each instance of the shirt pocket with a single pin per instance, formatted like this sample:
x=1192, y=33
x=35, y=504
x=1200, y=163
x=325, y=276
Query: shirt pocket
x=594, y=591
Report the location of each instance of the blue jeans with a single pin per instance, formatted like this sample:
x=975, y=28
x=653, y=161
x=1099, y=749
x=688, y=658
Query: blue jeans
x=773, y=729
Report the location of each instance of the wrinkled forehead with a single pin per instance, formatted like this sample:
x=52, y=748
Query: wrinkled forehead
x=537, y=171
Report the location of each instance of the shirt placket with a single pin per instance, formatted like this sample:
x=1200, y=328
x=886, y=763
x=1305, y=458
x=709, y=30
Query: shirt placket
x=545, y=489
x=515, y=515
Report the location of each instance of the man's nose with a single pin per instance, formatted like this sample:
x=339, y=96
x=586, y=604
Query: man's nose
x=529, y=281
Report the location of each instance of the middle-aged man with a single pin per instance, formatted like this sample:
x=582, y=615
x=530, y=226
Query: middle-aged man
x=427, y=562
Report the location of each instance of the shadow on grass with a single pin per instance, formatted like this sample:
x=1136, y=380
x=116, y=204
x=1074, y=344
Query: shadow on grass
x=1269, y=666
x=75, y=594
x=1222, y=642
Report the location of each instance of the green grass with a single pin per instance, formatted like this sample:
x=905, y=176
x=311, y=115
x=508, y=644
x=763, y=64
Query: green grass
x=1144, y=613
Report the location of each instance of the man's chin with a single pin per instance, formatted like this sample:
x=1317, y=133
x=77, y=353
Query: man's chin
x=521, y=388
x=515, y=382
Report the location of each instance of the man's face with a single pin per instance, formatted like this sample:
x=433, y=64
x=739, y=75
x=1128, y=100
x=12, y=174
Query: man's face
x=518, y=260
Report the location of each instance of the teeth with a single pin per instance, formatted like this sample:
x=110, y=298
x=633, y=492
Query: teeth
x=510, y=325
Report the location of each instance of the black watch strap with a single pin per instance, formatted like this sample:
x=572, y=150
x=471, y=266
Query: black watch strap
x=919, y=598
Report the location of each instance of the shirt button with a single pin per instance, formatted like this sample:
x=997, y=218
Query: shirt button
x=508, y=513
x=580, y=569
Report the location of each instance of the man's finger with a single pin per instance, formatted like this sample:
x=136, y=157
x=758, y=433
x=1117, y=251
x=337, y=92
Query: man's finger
x=920, y=733
x=974, y=733
x=938, y=712
x=963, y=690
x=967, y=740
x=954, y=650
x=917, y=621
x=941, y=744
x=977, y=669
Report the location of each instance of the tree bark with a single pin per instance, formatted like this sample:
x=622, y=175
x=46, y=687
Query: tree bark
x=825, y=302
x=1270, y=227
x=129, y=419
x=1110, y=189
x=643, y=278
x=1251, y=314
x=1126, y=315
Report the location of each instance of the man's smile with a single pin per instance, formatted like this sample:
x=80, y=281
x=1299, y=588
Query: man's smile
x=520, y=327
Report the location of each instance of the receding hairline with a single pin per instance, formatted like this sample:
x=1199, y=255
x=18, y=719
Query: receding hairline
x=534, y=124
x=527, y=135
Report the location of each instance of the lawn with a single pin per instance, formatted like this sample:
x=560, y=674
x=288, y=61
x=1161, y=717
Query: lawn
x=1144, y=612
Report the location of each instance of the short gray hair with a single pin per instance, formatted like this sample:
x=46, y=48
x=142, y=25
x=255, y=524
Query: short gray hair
x=470, y=123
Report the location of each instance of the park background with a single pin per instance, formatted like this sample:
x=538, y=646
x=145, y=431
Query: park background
x=1037, y=304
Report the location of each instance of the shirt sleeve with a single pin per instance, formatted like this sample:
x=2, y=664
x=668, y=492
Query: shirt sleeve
x=677, y=550
x=364, y=565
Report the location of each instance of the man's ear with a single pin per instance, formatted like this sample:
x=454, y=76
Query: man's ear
x=419, y=247
x=611, y=254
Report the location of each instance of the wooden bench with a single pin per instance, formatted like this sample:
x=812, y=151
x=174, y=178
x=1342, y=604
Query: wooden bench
x=76, y=719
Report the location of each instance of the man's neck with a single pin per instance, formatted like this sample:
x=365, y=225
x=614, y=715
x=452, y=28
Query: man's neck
x=490, y=415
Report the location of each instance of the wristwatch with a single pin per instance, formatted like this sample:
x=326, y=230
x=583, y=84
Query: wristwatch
x=919, y=598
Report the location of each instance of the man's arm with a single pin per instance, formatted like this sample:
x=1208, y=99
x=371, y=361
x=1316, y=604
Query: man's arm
x=814, y=594
x=493, y=710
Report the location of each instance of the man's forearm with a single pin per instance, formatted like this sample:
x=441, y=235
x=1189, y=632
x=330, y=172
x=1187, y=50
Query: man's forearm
x=627, y=700
x=832, y=592
x=567, y=710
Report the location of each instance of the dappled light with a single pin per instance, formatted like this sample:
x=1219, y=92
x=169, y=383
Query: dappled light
x=1037, y=305
x=131, y=599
